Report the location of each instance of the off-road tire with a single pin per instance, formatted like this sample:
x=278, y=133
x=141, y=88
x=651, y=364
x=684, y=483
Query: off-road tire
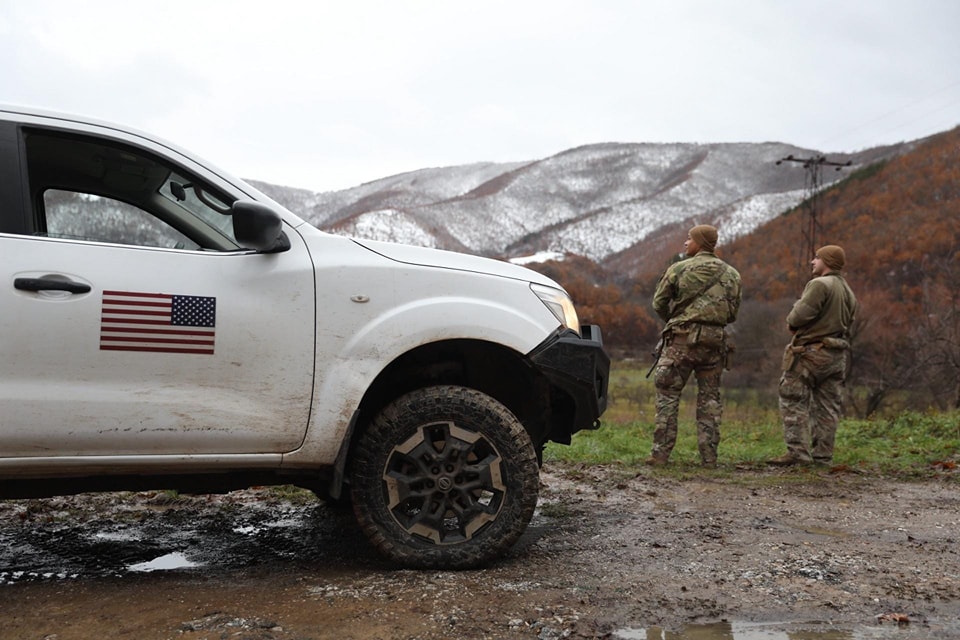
x=444, y=477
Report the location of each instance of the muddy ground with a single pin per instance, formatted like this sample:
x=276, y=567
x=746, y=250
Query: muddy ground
x=611, y=553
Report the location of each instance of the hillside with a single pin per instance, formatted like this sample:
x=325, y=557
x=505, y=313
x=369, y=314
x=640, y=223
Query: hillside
x=899, y=221
x=608, y=202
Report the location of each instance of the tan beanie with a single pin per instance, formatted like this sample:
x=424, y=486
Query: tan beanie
x=832, y=256
x=705, y=236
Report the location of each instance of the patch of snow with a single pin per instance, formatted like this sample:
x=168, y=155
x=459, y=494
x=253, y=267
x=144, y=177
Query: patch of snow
x=746, y=215
x=388, y=225
x=540, y=256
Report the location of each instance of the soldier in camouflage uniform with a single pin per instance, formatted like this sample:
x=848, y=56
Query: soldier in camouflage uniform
x=815, y=362
x=696, y=297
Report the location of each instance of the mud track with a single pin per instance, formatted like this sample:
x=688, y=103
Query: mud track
x=610, y=551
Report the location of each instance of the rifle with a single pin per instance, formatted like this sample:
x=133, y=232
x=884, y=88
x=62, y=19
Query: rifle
x=656, y=355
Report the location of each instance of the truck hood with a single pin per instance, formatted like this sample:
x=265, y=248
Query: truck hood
x=440, y=259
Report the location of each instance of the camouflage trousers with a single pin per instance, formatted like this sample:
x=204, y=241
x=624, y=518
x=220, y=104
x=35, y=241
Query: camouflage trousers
x=676, y=364
x=811, y=389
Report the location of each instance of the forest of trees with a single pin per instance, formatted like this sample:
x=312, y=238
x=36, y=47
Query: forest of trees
x=899, y=223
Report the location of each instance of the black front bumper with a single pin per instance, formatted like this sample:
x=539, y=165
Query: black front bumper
x=579, y=369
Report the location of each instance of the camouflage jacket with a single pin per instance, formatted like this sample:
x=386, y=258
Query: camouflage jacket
x=826, y=308
x=680, y=297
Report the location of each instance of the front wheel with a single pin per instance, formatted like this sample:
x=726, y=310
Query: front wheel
x=444, y=477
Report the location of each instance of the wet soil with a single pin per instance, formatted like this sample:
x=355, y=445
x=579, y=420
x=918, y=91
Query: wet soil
x=610, y=553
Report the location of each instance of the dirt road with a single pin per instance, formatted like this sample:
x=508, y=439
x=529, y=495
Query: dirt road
x=611, y=553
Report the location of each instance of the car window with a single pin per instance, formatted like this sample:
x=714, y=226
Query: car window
x=202, y=204
x=83, y=216
x=89, y=188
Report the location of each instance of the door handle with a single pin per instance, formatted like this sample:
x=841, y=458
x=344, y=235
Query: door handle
x=48, y=284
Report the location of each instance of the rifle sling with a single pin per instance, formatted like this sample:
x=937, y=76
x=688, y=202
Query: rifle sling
x=716, y=278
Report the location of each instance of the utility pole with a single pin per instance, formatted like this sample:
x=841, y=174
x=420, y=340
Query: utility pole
x=812, y=228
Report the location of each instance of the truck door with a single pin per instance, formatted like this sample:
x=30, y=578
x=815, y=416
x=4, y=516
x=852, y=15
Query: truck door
x=131, y=321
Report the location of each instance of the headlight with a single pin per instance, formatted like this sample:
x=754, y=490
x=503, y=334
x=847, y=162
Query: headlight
x=559, y=304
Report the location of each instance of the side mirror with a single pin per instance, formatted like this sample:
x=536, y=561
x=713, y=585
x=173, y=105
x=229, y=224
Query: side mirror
x=257, y=226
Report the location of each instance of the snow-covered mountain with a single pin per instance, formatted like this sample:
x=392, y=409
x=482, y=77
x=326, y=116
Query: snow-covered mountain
x=602, y=201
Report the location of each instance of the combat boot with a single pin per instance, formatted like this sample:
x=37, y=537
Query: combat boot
x=656, y=460
x=787, y=460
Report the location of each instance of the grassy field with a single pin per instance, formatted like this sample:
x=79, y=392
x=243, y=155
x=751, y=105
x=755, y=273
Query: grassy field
x=909, y=444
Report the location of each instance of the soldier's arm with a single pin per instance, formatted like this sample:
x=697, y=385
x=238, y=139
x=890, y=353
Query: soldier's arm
x=808, y=307
x=662, y=297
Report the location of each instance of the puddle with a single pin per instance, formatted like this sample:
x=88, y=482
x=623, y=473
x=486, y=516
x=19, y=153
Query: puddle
x=169, y=562
x=116, y=536
x=765, y=631
x=254, y=530
x=191, y=533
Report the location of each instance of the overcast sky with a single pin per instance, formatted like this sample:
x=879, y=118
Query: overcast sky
x=329, y=94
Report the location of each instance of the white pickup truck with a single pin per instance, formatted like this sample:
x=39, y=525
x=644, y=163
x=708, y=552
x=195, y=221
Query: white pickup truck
x=166, y=326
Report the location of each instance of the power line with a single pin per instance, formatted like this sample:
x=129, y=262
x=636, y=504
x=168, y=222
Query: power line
x=812, y=226
x=908, y=107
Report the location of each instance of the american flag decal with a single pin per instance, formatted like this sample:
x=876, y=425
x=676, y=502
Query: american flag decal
x=159, y=322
